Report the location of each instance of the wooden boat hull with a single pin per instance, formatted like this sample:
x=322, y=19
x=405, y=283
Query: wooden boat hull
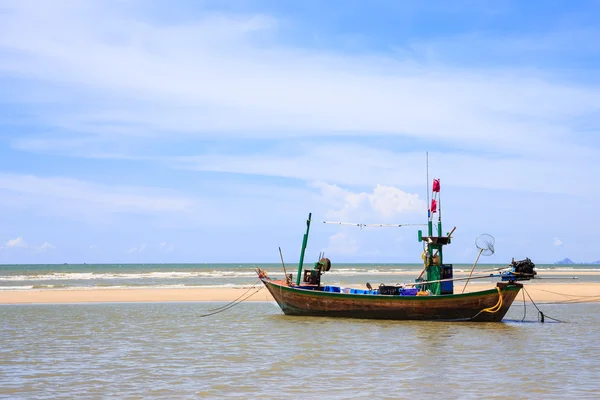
x=456, y=307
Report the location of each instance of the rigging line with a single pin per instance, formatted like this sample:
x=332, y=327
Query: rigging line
x=392, y=225
x=450, y=280
x=524, y=307
x=540, y=311
x=569, y=295
x=371, y=225
x=576, y=301
x=494, y=269
x=232, y=305
x=243, y=294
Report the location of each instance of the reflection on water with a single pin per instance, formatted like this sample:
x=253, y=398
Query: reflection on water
x=165, y=350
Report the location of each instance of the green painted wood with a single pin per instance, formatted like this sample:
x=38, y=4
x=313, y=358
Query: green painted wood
x=304, y=242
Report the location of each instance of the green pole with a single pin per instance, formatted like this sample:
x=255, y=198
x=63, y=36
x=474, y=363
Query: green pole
x=304, y=241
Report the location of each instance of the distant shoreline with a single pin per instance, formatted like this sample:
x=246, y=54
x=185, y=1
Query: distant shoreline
x=272, y=263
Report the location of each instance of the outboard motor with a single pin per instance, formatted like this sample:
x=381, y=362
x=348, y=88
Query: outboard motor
x=522, y=270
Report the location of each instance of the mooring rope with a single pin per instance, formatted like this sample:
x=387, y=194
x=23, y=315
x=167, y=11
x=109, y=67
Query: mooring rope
x=494, y=309
x=524, y=306
x=243, y=294
x=233, y=303
x=541, y=315
x=577, y=300
x=498, y=305
x=575, y=297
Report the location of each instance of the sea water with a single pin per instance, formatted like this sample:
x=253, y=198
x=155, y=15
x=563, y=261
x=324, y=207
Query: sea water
x=168, y=350
x=92, y=276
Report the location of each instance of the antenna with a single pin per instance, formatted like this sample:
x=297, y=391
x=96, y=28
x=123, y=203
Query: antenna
x=427, y=183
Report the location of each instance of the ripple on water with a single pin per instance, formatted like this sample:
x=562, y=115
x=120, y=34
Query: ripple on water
x=165, y=350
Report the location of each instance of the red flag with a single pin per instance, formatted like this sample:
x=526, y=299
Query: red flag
x=436, y=185
x=433, y=205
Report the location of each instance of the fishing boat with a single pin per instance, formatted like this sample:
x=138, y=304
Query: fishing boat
x=430, y=297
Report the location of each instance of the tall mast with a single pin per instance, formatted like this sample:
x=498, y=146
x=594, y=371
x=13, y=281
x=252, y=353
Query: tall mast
x=440, y=224
x=429, y=216
x=439, y=213
x=304, y=241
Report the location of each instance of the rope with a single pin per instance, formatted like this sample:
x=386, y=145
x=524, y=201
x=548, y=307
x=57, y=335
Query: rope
x=243, y=294
x=494, y=309
x=541, y=314
x=575, y=299
x=360, y=225
x=231, y=305
x=498, y=305
x=524, y=307
x=568, y=295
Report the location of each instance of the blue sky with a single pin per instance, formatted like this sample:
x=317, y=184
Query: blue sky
x=201, y=131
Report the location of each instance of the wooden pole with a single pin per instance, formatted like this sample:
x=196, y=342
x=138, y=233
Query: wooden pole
x=452, y=231
x=283, y=264
x=452, y=279
x=472, y=269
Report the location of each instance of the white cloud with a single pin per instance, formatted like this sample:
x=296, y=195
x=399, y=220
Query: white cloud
x=382, y=205
x=17, y=243
x=557, y=242
x=218, y=76
x=166, y=247
x=21, y=243
x=119, y=198
x=139, y=249
x=364, y=165
x=229, y=77
x=88, y=201
x=342, y=244
x=388, y=201
x=44, y=247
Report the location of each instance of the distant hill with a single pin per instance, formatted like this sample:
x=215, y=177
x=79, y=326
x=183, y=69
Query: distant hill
x=565, y=261
x=568, y=261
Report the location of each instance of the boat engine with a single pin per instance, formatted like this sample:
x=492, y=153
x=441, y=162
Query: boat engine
x=521, y=270
x=323, y=265
x=313, y=276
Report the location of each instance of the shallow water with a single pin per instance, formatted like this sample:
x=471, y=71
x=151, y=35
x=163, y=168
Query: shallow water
x=166, y=350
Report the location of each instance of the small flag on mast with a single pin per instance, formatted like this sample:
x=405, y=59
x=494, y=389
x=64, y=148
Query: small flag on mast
x=433, y=206
x=436, y=185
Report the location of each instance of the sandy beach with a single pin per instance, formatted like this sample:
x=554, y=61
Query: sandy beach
x=540, y=292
